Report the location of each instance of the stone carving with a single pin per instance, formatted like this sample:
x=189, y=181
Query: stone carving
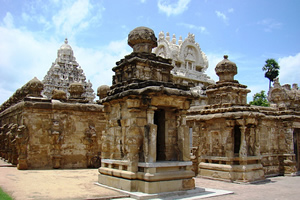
x=90, y=140
x=22, y=139
x=11, y=134
x=65, y=71
x=227, y=90
x=142, y=39
x=32, y=88
x=189, y=62
x=284, y=97
x=56, y=138
x=102, y=91
x=76, y=90
x=59, y=95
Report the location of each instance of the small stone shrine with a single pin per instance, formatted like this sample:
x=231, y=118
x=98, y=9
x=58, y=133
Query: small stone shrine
x=65, y=71
x=145, y=147
x=237, y=142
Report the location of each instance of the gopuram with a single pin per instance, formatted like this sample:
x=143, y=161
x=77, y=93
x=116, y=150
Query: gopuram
x=162, y=122
x=65, y=71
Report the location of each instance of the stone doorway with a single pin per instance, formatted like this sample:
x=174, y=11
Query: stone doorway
x=237, y=140
x=297, y=147
x=159, y=121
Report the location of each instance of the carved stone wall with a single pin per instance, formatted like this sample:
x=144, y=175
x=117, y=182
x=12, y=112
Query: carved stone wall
x=45, y=134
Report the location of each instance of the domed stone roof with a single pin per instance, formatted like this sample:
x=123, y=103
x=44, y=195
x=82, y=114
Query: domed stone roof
x=226, y=70
x=66, y=45
x=142, y=39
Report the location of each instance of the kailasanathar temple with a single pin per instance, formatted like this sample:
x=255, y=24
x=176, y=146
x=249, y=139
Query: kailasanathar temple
x=162, y=122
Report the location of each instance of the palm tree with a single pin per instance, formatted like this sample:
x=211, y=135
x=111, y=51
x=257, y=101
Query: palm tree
x=272, y=70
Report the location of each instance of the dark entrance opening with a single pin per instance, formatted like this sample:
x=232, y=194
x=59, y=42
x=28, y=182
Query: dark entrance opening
x=297, y=147
x=159, y=120
x=237, y=139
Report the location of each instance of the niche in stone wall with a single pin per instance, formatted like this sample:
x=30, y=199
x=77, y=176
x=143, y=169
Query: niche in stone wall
x=237, y=139
x=159, y=120
x=296, y=139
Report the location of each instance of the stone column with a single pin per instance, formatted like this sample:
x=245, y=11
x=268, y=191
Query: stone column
x=150, y=135
x=229, y=149
x=243, y=148
x=183, y=136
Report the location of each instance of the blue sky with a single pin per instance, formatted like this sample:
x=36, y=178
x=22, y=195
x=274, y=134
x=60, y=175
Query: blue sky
x=249, y=31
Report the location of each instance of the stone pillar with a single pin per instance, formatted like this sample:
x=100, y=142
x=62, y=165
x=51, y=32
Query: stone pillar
x=150, y=135
x=229, y=149
x=183, y=136
x=243, y=149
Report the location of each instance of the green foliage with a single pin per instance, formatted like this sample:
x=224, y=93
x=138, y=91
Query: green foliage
x=4, y=196
x=260, y=99
x=272, y=70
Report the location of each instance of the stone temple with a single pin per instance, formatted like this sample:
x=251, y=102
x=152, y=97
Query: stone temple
x=162, y=122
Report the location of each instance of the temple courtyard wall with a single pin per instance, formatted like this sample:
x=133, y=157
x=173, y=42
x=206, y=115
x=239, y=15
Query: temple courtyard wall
x=51, y=134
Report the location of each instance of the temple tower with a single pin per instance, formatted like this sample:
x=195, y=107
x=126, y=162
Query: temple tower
x=146, y=142
x=65, y=71
x=189, y=63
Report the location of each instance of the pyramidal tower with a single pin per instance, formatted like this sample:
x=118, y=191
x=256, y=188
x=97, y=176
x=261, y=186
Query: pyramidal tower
x=65, y=71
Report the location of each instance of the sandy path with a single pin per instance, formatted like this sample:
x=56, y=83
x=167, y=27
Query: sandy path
x=52, y=184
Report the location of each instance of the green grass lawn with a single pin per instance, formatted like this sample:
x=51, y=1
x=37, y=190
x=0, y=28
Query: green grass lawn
x=4, y=196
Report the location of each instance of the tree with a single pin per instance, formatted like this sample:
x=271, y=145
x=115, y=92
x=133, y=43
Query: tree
x=272, y=70
x=260, y=99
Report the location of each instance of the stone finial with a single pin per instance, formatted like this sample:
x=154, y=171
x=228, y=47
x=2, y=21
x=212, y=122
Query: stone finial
x=142, y=39
x=180, y=40
x=59, y=94
x=174, y=39
x=168, y=36
x=102, y=91
x=161, y=35
x=33, y=88
x=226, y=70
x=76, y=90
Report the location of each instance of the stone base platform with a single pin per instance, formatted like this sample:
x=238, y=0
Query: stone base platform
x=150, y=187
x=233, y=173
x=164, y=195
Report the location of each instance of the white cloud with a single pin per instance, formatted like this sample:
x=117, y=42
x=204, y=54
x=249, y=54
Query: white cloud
x=173, y=8
x=289, y=69
x=143, y=1
x=270, y=24
x=24, y=56
x=202, y=29
x=213, y=60
x=222, y=16
x=8, y=20
x=230, y=10
x=73, y=17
